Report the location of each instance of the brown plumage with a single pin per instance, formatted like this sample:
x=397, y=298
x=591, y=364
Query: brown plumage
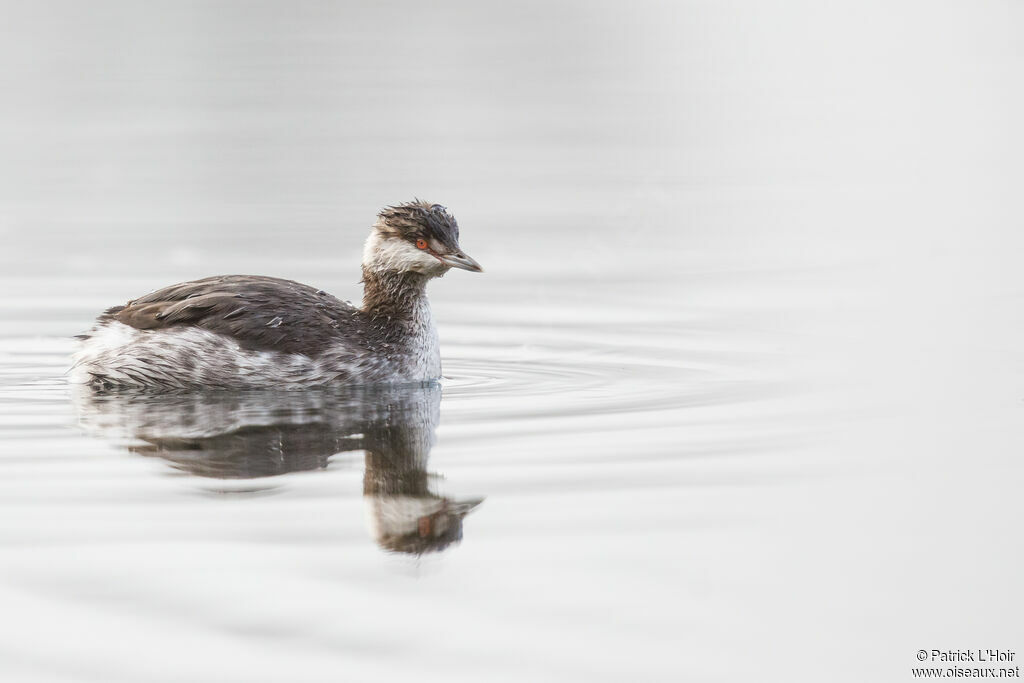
x=260, y=313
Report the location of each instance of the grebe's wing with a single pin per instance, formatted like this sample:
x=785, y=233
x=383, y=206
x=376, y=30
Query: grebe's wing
x=260, y=313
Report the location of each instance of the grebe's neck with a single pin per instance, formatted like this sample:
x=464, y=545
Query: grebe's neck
x=398, y=296
x=397, y=306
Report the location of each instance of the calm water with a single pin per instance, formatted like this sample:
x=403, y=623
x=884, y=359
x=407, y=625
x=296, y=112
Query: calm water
x=738, y=397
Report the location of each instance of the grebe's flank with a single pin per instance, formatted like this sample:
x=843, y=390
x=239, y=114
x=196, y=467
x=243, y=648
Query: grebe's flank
x=249, y=331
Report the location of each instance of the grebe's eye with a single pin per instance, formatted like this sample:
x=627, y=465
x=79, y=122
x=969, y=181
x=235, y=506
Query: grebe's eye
x=421, y=243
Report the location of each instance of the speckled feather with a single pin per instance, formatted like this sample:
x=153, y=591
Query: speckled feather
x=260, y=313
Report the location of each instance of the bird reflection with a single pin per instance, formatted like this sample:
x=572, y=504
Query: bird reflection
x=261, y=433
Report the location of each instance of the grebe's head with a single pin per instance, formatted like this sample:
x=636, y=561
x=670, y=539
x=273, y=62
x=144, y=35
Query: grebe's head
x=416, y=237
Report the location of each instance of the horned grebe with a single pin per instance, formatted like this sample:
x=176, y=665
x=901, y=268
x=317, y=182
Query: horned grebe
x=249, y=331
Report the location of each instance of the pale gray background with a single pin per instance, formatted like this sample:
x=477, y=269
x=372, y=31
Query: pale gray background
x=743, y=384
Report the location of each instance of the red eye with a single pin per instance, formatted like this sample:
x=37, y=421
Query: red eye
x=421, y=243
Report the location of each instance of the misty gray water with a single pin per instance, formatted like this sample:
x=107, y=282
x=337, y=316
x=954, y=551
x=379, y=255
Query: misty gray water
x=738, y=396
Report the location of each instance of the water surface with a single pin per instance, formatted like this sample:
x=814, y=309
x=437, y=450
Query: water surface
x=737, y=398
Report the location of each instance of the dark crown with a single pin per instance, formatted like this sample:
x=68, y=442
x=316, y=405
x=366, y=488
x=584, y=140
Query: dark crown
x=421, y=219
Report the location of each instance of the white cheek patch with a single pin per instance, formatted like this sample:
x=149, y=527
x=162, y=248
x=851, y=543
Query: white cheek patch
x=381, y=253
